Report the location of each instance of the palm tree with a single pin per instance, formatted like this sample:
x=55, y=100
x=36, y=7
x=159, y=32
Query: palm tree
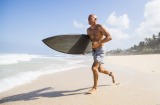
x=158, y=41
x=153, y=42
x=146, y=43
x=141, y=46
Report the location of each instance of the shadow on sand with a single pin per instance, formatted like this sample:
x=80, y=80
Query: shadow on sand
x=33, y=95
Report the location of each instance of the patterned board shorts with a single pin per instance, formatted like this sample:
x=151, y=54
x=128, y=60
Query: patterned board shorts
x=99, y=54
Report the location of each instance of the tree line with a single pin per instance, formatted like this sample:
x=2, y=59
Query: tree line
x=148, y=46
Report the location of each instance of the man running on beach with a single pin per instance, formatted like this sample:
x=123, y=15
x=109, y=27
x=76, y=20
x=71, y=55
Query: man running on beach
x=98, y=36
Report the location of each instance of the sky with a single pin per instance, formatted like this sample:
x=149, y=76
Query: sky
x=24, y=23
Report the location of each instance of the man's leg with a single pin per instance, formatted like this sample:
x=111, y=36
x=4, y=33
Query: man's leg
x=102, y=70
x=95, y=67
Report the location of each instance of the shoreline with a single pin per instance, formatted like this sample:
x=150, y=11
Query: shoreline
x=138, y=85
x=33, y=69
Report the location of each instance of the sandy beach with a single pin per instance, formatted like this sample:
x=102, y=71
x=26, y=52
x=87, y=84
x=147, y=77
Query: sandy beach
x=138, y=76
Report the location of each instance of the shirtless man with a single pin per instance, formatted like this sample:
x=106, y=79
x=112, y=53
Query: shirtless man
x=98, y=36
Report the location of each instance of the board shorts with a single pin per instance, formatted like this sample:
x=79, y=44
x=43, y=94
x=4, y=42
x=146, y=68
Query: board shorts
x=99, y=54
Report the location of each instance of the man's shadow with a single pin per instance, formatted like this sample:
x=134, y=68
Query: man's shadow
x=33, y=95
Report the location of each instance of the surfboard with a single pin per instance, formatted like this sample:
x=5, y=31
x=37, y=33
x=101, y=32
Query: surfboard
x=70, y=43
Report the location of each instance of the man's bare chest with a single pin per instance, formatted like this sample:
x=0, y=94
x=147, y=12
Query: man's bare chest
x=95, y=33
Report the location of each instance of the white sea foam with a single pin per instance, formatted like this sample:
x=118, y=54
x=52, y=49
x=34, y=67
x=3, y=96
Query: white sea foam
x=27, y=77
x=15, y=75
x=75, y=62
x=15, y=58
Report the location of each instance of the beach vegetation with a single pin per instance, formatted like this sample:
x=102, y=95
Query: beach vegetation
x=148, y=46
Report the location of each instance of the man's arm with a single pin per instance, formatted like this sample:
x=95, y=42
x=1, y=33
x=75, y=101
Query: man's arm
x=106, y=34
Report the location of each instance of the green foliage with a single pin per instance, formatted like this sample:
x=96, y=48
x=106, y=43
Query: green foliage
x=148, y=46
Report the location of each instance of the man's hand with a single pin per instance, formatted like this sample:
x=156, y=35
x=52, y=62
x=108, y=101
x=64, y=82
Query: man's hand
x=96, y=44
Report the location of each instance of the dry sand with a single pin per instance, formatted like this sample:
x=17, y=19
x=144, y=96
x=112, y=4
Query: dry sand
x=138, y=76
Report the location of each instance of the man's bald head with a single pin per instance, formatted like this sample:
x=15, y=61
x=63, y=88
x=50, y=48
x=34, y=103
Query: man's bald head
x=92, y=16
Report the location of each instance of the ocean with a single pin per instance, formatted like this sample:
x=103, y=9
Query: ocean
x=18, y=69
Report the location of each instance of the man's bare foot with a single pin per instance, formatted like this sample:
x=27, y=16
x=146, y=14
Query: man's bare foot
x=93, y=90
x=111, y=74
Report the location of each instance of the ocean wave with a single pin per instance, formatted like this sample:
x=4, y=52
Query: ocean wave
x=6, y=59
x=27, y=77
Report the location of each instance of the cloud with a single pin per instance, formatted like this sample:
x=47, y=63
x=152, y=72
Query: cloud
x=151, y=23
x=118, y=34
x=78, y=24
x=121, y=22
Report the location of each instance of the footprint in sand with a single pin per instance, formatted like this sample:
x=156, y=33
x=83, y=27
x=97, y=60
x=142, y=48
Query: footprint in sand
x=117, y=84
